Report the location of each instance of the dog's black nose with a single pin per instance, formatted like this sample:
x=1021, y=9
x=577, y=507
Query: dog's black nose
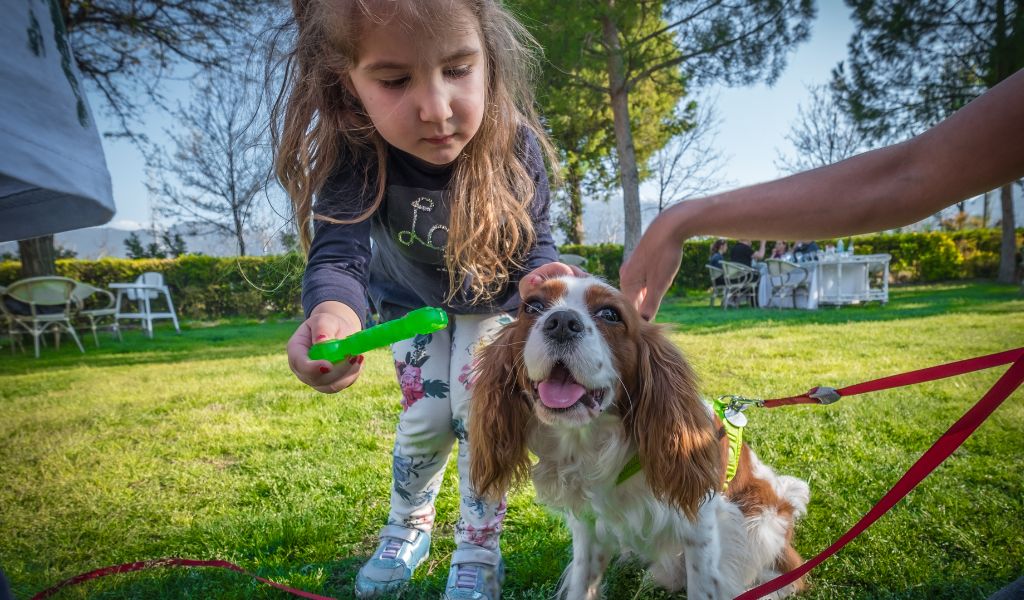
x=563, y=325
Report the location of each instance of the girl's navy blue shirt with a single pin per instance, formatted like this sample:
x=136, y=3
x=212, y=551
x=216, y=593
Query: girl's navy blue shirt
x=404, y=268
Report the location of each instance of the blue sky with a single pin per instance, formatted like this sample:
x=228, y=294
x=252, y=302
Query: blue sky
x=756, y=119
x=753, y=120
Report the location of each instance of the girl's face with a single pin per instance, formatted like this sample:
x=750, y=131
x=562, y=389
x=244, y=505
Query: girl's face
x=424, y=96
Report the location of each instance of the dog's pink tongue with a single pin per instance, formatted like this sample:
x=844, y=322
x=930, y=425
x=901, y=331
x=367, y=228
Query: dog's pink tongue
x=560, y=390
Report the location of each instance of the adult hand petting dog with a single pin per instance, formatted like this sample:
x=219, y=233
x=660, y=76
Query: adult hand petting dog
x=647, y=274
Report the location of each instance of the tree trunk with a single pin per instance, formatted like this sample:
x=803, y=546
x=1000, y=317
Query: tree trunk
x=1003, y=57
x=239, y=233
x=1008, y=247
x=38, y=256
x=984, y=210
x=619, y=93
x=575, y=230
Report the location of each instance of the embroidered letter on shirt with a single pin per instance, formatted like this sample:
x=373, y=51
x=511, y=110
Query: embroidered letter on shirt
x=408, y=237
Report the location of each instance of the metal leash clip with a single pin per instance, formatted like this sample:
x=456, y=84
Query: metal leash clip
x=824, y=394
x=734, y=405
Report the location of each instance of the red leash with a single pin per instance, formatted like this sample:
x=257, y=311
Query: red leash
x=169, y=562
x=920, y=376
x=940, y=450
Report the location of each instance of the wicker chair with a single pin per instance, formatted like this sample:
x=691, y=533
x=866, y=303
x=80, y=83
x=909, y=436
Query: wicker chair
x=717, y=283
x=740, y=284
x=786, y=279
x=36, y=305
x=97, y=306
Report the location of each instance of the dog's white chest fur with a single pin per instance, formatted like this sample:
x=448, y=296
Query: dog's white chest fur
x=577, y=473
x=578, y=466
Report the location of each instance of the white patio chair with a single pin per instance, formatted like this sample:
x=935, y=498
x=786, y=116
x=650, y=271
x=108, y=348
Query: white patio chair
x=150, y=278
x=147, y=287
x=40, y=304
x=785, y=279
x=717, y=283
x=97, y=306
x=740, y=284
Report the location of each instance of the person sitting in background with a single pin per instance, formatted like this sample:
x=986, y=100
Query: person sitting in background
x=779, y=250
x=743, y=252
x=718, y=248
x=804, y=251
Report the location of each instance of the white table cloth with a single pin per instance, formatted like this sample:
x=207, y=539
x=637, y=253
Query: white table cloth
x=835, y=280
x=848, y=279
x=805, y=298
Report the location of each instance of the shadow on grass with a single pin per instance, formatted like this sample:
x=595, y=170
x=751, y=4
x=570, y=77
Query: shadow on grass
x=693, y=315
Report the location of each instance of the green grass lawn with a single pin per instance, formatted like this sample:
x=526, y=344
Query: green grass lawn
x=204, y=446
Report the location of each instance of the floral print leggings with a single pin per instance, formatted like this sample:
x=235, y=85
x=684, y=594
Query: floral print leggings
x=434, y=372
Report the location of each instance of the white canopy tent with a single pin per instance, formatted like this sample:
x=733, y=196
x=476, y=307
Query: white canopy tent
x=53, y=176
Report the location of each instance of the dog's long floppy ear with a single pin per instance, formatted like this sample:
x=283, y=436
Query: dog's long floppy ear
x=500, y=415
x=673, y=430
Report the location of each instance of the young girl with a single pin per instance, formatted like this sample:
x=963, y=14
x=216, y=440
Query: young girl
x=411, y=123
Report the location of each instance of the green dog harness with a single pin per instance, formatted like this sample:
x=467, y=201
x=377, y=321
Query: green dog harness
x=733, y=420
x=730, y=410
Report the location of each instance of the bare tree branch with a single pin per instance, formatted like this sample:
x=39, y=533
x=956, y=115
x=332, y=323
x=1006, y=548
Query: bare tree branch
x=126, y=49
x=219, y=164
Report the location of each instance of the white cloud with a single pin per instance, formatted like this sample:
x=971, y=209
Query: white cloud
x=126, y=225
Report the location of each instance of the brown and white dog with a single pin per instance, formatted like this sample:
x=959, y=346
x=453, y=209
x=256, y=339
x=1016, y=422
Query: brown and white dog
x=585, y=384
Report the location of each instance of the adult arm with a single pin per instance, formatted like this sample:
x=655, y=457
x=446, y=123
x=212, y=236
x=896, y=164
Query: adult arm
x=975, y=150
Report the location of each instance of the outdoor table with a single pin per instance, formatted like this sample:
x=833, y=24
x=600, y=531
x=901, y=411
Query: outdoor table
x=835, y=280
x=847, y=279
x=141, y=294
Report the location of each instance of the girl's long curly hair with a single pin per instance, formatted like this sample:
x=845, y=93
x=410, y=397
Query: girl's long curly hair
x=317, y=123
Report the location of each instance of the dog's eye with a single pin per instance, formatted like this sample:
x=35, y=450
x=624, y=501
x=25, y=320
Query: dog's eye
x=609, y=314
x=533, y=307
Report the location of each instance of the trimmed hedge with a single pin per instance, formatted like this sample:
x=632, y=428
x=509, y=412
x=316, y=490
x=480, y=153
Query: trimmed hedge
x=203, y=287
x=207, y=287
x=916, y=257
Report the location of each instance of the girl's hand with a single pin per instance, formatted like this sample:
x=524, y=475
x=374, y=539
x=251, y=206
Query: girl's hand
x=532, y=280
x=328, y=321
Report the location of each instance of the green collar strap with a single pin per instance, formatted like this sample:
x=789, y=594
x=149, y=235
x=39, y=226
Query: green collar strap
x=733, y=431
x=630, y=469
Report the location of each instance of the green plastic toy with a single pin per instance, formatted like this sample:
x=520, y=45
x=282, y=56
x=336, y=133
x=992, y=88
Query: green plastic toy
x=420, y=321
